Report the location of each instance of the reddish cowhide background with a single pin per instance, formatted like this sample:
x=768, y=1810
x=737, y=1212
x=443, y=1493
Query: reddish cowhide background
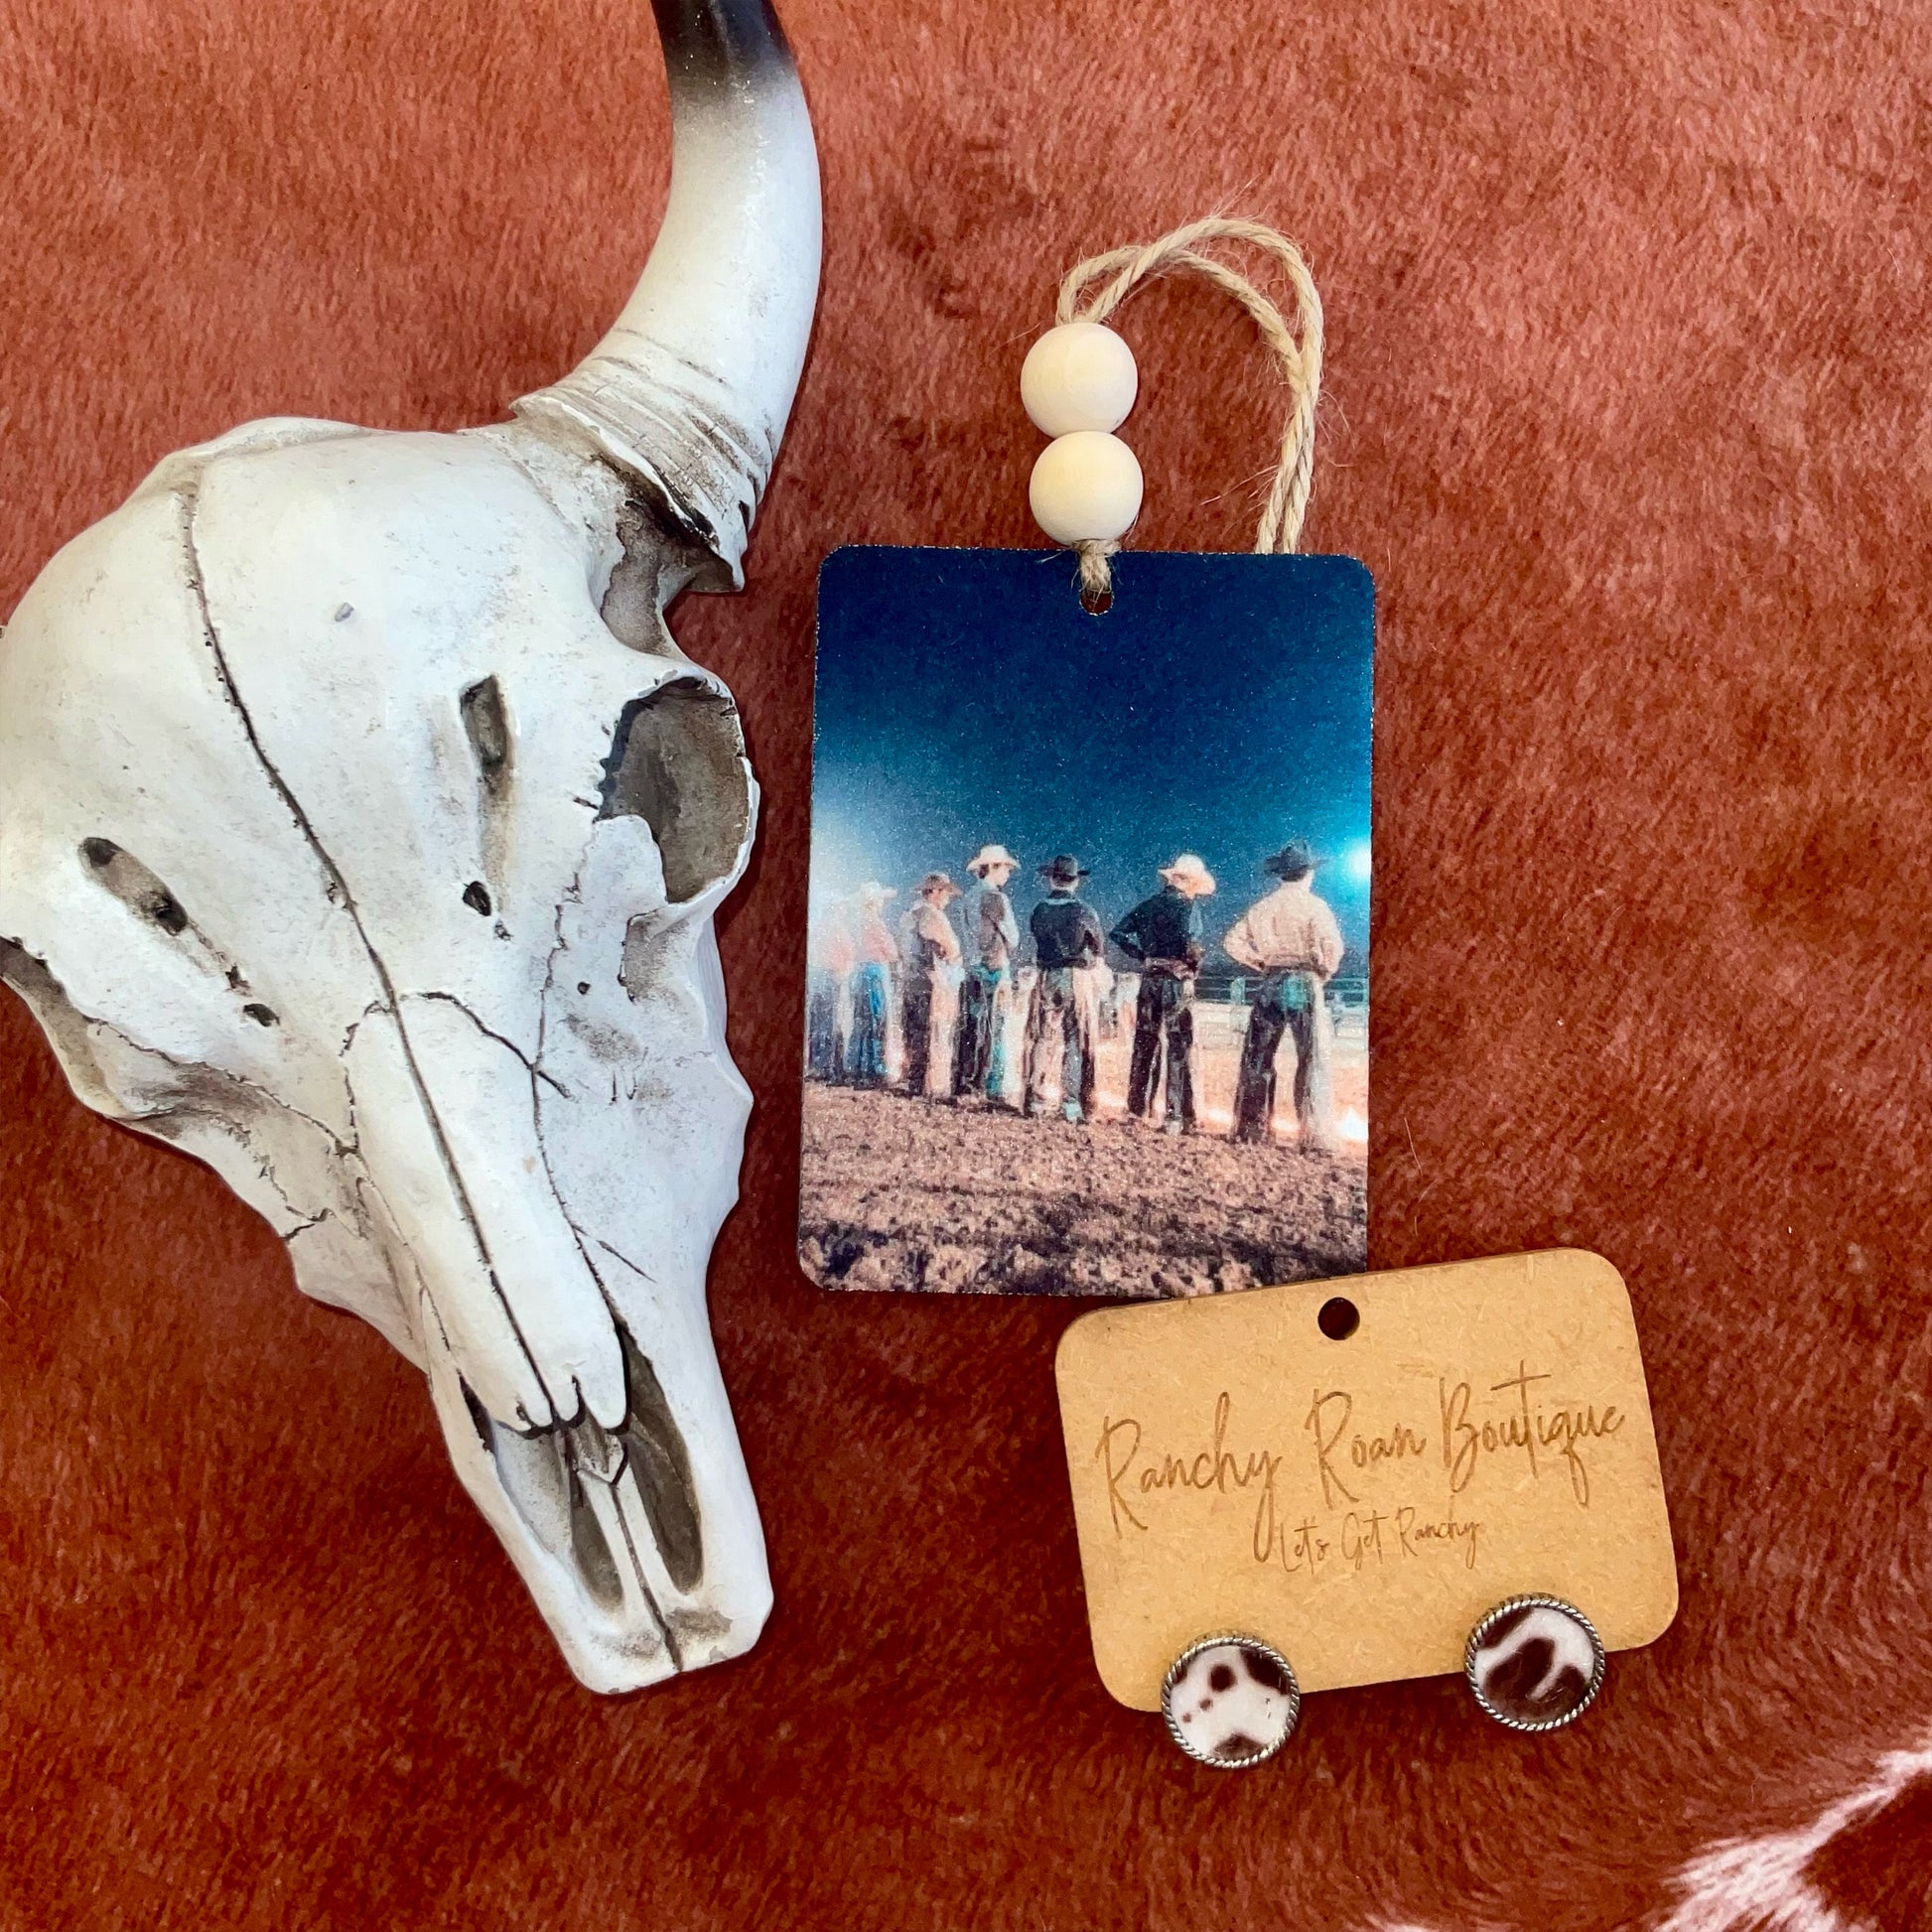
x=1627, y=411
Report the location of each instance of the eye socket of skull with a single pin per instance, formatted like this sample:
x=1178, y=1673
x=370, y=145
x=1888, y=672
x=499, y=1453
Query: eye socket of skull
x=677, y=762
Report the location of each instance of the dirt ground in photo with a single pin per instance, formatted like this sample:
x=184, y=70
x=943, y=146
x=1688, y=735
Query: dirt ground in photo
x=910, y=1193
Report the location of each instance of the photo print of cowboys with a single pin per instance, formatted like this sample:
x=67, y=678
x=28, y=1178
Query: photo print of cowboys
x=1087, y=957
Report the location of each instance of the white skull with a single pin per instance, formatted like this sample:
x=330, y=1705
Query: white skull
x=361, y=833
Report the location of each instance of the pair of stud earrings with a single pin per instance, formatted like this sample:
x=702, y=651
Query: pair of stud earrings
x=1533, y=1663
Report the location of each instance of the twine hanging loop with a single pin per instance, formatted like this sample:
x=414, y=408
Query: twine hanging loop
x=1093, y=288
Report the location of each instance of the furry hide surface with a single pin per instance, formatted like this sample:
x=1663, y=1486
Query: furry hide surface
x=1627, y=409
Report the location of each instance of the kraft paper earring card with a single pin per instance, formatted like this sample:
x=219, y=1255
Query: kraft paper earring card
x=1087, y=986
x=1361, y=1473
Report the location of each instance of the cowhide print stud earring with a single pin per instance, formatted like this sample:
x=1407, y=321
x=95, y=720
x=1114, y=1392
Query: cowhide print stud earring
x=1230, y=1700
x=1535, y=1663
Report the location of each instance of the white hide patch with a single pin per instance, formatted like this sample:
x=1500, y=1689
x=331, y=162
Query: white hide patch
x=1769, y=1883
x=1230, y=1703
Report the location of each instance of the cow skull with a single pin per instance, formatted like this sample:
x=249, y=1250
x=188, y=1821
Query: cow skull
x=361, y=832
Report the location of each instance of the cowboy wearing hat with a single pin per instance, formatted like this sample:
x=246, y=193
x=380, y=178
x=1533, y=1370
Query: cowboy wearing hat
x=872, y=987
x=1166, y=937
x=992, y=939
x=1069, y=944
x=929, y=951
x=1291, y=938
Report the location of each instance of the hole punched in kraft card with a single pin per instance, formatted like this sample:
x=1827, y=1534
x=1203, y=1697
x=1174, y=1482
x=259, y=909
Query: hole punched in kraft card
x=1404, y=1474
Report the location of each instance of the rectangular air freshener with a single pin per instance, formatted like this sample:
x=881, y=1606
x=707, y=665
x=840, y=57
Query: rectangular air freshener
x=1087, y=1000
x=1355, y=1473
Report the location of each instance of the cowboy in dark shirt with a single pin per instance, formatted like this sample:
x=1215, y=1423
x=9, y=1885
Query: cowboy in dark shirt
x=1067, y=945
x=1165, y=936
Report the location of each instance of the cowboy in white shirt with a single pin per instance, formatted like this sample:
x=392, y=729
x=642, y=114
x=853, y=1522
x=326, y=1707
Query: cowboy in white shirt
x=928, y=950
x=1291, y=938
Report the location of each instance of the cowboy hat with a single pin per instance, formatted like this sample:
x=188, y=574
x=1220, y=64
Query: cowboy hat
x=1189, y=875
x=936, y=881
x=1065, y=870
x=1295, y=860
x=987, y=857
x=871, y=893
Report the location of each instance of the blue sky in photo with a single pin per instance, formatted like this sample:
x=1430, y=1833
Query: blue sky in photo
x=1221, y=705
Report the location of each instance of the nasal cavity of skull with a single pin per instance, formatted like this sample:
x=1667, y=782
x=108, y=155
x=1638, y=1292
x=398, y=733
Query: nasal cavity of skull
x=660, y=1466
x=592, y=1548
x=549, y=1449
x=677, y=763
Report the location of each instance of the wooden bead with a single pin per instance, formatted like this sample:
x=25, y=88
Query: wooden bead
x=1085, y=488
x=1080, y=375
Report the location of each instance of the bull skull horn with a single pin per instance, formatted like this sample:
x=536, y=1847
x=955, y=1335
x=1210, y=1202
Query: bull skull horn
x=361, y=832
x=689, y=391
